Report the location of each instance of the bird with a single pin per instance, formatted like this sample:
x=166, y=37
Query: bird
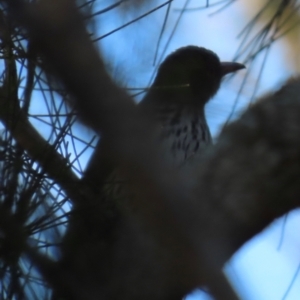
x=185, y=82
x=104, y=238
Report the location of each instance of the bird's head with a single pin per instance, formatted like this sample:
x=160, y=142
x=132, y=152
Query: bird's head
x=192, y=71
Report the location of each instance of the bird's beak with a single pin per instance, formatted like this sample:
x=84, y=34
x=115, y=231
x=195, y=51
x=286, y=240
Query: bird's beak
x=230, y=67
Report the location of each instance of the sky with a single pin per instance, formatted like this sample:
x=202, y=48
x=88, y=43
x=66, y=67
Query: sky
x=263, y=268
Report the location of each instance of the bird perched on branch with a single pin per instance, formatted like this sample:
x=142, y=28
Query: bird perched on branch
x=184, y=83
x=186, y=80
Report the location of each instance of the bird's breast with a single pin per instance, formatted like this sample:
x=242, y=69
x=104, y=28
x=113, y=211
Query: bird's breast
x=183, y=134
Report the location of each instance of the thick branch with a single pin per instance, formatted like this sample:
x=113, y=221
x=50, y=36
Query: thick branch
x=252, y=175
